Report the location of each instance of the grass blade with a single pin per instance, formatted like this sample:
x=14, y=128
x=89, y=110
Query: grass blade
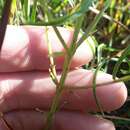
x=94, y=86
x=120, y=60
x=78, y=25
x=92, y=26
x=34, y=11
x=60, y=38
x=26, y=8
x=85, y=4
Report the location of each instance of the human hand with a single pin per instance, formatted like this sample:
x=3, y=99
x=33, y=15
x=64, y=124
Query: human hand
x=25, y=84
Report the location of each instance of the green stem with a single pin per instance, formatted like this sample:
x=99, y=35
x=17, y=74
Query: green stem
x=59, y=90
x=60, y=38
x=123, y=79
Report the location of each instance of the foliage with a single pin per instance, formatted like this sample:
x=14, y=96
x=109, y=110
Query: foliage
x=111, y=34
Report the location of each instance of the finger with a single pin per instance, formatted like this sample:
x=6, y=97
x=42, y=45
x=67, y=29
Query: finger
x=33, y=120
x=36, y=89
x=25, y=48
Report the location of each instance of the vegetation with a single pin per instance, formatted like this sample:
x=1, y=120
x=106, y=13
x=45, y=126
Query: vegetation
x=111, y=37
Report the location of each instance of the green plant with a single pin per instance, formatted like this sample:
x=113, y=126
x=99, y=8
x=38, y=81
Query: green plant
x=72, y=13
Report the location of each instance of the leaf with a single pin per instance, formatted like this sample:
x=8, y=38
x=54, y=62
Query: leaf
x=26, y=9
x=92, y=42
x=123, y=56
x=77, y=28
x=57, y=54
x=34, y=8
x=85, y=4
x=94, y=86
x=84, y=7
x=94, y=23
x=99, y=52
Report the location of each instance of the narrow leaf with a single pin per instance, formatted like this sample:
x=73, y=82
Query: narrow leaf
x=34, y=9
x=122, y=57
x=94, y=23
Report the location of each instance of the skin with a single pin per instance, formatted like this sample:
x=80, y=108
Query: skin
x=25, y=84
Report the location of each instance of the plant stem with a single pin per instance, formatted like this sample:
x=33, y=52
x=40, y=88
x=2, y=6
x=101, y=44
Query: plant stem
x=52, y=68
x=60, y=38
x=59, y=90
x=115, y=117
x=96, y=11
x=123, y=79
